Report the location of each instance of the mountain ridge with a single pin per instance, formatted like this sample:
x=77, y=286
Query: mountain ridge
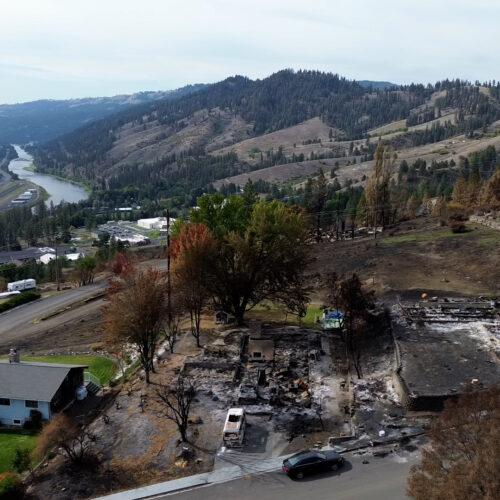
x=45, y=119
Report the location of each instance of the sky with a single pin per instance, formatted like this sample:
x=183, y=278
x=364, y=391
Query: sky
x=61, y=49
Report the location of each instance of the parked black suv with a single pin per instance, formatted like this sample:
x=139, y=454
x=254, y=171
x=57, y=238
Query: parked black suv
x=311, y=461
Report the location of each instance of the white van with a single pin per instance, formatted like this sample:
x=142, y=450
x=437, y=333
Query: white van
x=234, y=428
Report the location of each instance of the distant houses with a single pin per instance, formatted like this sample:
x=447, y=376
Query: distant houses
x=24, y=198
x=47, y=257
x=34, y=253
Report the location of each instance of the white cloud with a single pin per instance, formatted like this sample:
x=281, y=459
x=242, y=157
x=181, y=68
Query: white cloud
x=64, y=48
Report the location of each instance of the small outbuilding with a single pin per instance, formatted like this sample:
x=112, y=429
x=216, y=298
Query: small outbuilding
x=332, y=320
x=223, y=318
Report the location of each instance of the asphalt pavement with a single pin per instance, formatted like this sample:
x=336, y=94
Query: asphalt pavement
x=13, y=321
x=379, y=479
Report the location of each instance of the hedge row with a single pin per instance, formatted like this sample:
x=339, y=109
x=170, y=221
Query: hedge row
x=22, y=298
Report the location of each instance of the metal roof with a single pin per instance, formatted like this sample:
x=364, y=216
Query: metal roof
x=32, y=381
x=29, y=253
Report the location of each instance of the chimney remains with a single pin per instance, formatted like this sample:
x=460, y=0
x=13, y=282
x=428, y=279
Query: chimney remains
x=14, y=355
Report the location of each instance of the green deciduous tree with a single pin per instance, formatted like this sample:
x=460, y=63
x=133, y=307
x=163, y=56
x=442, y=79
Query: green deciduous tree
x=267, y=262
x=85, y=270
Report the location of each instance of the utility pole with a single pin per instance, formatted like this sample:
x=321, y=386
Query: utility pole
x=57, y=265
x=53, y=238
x=169, y=288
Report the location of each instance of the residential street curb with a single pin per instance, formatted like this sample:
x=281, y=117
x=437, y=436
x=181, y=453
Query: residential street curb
x=227, y=474
x=204, y=479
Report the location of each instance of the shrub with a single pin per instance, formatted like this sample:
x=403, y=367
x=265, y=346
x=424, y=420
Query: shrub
x=22, y=298
x=10, y=487
x=22, y=460
x=458, y=227
x=35, y=420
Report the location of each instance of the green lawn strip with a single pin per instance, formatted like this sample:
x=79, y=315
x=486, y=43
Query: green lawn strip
x=310, y=318
x=490, y=241
x=483, y=236
x=101, y=367
x=270, y=310
x=410, y=238
x=9, y=441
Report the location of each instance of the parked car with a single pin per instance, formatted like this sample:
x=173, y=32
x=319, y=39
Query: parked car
x=311, y=462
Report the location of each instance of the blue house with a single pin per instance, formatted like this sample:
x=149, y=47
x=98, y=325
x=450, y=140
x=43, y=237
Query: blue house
x=27, y=386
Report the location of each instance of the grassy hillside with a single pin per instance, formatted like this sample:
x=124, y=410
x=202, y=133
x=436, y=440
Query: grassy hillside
x=223, y=114
x=434, y=260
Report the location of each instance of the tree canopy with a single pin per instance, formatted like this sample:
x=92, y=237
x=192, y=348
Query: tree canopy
x=463, y=458
x=259, y=254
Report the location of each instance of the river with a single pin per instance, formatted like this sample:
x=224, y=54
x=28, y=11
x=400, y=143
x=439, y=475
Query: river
x=58, y=190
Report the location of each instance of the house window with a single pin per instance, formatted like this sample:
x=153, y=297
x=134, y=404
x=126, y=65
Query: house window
x=31, y=404
x=4, y=402
x=17, y=421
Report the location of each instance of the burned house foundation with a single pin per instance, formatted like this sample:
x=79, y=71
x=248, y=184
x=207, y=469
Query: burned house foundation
x=282, y=374
x=442, y=348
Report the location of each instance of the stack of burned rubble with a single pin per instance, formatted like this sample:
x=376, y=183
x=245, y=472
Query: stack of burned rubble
x=263, y=370
x=277, y=368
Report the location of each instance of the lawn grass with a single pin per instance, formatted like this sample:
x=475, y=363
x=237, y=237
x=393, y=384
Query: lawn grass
x=101, y=367
x=271, y=312
x=309, y=319
x=9, y=441
x=409, y=238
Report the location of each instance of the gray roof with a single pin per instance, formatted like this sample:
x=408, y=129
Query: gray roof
x=32, y=381
x=28, y=254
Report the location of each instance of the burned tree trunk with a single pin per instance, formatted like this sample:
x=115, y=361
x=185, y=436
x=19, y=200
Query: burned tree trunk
x=176, y=404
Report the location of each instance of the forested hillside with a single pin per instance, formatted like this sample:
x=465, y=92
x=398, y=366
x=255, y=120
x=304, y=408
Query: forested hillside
x=249, y=108
x=177, y=149
x=41, y=121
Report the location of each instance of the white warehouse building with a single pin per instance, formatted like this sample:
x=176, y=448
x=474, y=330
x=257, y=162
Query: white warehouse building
x=154, y=223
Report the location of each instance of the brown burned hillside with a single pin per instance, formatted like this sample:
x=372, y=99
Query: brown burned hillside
x=287, y=125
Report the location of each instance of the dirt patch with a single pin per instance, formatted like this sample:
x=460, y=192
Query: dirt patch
x=419, y=256
x=72, y=331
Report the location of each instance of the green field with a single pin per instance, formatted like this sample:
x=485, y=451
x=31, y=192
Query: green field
x=9, y=441
x=101, y=367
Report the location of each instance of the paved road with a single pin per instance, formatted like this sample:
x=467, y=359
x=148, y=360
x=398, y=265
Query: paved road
x=12, y=322
x=380, y=479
